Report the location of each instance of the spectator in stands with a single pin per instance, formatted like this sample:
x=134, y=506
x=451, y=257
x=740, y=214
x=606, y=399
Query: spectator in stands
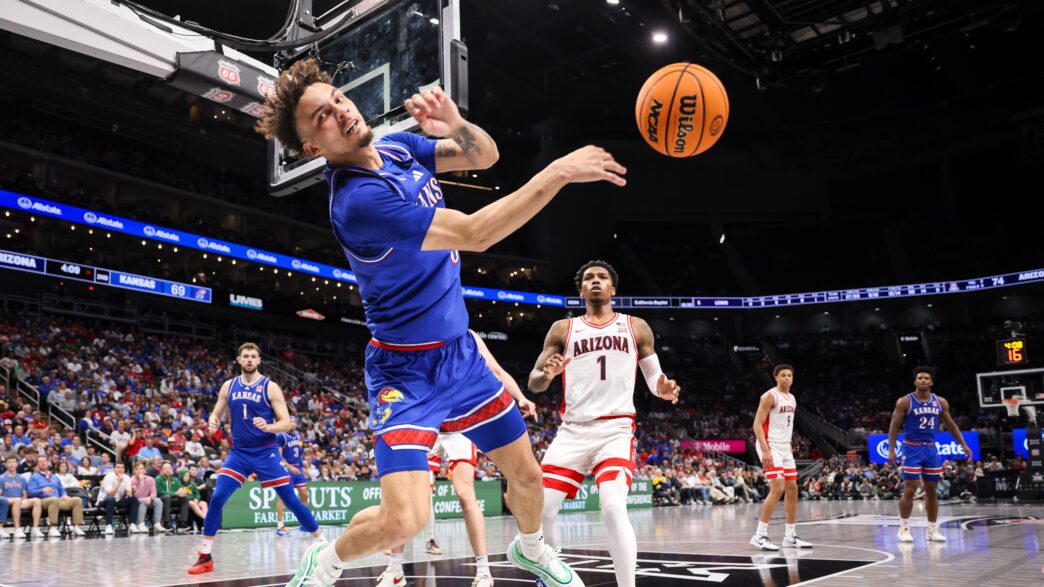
x=172, y=494
x=149, y=452
x=194, y=448
x=47, y=486
x=743, y=491
x=106, y=466
x=143, y=488
x=14, y=494
x=193, y=499
x=86, y=468
x=155, y=467
x=26, y=457
x=66, y=477
x=93, y=457
x=116, y=492
x=78, y=450
x=120, y=439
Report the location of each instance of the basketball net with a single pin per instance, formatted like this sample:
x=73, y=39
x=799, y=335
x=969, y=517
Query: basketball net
x=1013, y=403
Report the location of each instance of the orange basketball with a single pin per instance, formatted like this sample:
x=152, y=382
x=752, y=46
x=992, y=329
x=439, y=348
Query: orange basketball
x=682, y=110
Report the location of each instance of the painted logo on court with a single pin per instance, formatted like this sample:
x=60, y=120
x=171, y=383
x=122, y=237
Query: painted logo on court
x=25, y=203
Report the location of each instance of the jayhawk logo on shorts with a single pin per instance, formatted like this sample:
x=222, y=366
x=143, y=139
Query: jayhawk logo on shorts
x=385, y=397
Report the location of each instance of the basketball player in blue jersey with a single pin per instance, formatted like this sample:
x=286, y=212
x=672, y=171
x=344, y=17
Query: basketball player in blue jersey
x=919, y=414
x=258, y=413
x=423, y=371
x=290, y=446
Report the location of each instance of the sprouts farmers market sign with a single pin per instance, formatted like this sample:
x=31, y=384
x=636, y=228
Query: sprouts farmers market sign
x=587, y=497
x=335, y=502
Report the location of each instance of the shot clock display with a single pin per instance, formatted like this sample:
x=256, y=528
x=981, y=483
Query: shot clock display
x=1012, y=352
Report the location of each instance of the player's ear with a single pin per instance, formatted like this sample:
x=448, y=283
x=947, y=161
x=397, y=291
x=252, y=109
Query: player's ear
x=310, y=150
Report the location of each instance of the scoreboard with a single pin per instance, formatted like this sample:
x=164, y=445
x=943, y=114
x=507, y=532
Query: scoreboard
x=100, y=276
x=1012, y=352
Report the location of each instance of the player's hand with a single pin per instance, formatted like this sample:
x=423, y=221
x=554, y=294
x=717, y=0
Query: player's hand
x=967, y=452
x=293, y=469
x=766, y=461
x=528, y=409
x=437, y=115
x=892, y=461
x=668, y=389
x=591, y=164
x=261, y=424
x=212, y=426
x=554, y=365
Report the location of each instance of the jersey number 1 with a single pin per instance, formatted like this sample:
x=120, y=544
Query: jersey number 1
x=601, y=363
x=245, y=417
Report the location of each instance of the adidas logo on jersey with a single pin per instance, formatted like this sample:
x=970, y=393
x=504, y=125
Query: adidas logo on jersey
x=417, y=175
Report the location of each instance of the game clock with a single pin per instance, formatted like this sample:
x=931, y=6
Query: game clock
x=1012, y=352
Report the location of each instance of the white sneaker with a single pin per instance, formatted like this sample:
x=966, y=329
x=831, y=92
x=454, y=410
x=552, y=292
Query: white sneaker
x=161, y=528
x=934, y=535
x=77, y=531
x=310, y=573
x=142, y=529
x=763, y=543
x=482, y=581
x=904, y=535
x=19, y=534
x=548, y=567
x=795, y=542
x=390, y=579
x=109, y=530
x=54, y=533
x=3, y=533
x=37, y=533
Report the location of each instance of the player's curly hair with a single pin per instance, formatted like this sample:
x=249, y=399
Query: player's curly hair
x=579, y=279
x=924, y=369
x=279, y=122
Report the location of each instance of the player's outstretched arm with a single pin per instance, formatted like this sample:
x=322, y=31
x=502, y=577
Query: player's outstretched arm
x=659, y=384
x=282, y=415
x=901, y=407
x=476, y=232
x=768, y=401
x=466, y=146
x=527, y=407
x=951, y=425
x=214, y=422
x=550, y=363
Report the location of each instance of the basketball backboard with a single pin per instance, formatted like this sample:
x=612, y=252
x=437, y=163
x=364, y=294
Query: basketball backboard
x=996, y=386
x=395, y=48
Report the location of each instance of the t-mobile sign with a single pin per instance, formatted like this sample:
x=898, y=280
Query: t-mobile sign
x=715, y=445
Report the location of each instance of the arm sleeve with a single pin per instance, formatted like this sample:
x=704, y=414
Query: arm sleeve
x=370, y=215
x=423, y=148
x=34, y=486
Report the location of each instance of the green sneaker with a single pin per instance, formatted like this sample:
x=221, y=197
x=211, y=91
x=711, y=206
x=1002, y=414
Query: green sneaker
x=310, y=573
x=552, y=571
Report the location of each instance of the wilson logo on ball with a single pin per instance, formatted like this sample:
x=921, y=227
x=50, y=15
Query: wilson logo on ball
x=682, y=110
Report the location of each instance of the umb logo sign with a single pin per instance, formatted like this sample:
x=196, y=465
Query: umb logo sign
x=945, y=444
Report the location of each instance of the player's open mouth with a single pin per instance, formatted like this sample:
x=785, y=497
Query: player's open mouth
x=351, y=127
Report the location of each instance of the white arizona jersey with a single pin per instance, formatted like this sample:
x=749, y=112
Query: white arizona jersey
x=599, y=379
x=779, y=426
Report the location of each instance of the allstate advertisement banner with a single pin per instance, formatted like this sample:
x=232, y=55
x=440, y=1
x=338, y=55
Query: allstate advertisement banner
x=587, y=497
x=947, y=445
x=1018, y=437
x=335, y=502
x=739, y=446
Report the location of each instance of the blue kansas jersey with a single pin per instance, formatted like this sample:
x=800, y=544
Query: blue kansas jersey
x=922, y=420
x=291, y=445
x=380, y=217
x=246, y=402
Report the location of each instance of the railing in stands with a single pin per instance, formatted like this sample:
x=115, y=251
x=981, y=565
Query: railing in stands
x=164, y=325
x=19, y=304
x=88, y=309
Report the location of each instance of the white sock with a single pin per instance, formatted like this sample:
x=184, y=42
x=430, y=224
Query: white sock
x=904, y=523
x=623, y=547
x=789, y=530
x=280, y=525
x=328, y=557
x=395, y=563
x=762, y=529
x=431, y=523
x=532, y=544
x=207, y=545
x=482, y=566
x=553, y=499
x=932, y=527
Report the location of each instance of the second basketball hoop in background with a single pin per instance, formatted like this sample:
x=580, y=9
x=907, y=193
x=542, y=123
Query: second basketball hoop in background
x=682, y=110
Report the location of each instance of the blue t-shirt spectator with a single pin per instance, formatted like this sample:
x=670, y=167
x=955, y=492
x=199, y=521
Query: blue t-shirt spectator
x=13, y=485
x=40, y=483
x=146, y=453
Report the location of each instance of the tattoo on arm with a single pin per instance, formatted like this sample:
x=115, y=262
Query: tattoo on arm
x=468, y=141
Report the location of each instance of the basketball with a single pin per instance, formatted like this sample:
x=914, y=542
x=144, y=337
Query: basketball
x=682, y=110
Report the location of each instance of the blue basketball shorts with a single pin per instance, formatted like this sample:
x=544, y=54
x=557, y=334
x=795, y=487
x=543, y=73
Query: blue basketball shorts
x=921, y=461
x=299, y=480
x=417, y=391
x=264, y=460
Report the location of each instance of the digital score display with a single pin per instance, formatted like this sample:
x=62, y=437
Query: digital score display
x=1012, y=352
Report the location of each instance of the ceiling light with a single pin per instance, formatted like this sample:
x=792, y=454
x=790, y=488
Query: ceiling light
x=659, y=37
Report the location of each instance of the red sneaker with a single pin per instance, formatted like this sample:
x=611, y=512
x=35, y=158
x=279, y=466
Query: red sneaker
x=205, y=564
